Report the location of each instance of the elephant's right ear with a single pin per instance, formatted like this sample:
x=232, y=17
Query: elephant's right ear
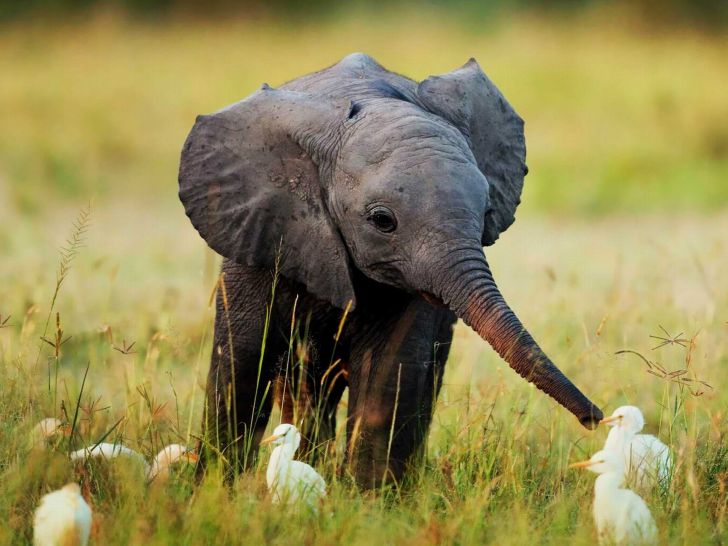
x=249, y=182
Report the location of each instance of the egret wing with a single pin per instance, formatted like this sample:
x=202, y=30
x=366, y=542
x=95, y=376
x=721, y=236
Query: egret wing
x=312, y=485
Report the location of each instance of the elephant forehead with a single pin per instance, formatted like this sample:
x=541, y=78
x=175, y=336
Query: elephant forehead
x=419, y=182
x=385, y=127
x=427, y=169
x=443, y=187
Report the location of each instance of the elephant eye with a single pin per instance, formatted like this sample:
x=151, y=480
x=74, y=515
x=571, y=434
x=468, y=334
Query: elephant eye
x=382, y=218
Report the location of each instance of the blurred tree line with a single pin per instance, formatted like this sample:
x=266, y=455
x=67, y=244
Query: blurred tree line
x=706, y=13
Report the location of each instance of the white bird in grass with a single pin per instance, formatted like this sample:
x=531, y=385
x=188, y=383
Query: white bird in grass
x=645, y=456
x=620, y=515
x=47, y=430
x=109, y=451
x=62, y=519
x=291, y=481
x=169, y=456
x=161, y=464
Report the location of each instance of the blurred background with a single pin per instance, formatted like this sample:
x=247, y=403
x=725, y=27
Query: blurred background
x=623, y=221
x=622, y=234
x=625, y=103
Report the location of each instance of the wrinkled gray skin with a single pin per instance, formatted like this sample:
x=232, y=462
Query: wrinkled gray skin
x=375, y=191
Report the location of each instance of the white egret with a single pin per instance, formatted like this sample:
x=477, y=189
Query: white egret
x=645, y=456
x=168, y=457
x=291, y=481
x=62, y=518
x=109, y=451
x=47, y=430
x=620, y=515
x=160, y=466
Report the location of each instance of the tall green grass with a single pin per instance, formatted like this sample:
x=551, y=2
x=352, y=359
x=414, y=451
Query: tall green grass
x=495, y=469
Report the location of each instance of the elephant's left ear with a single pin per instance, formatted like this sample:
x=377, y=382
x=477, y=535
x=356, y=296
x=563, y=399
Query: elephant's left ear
x=469, y=100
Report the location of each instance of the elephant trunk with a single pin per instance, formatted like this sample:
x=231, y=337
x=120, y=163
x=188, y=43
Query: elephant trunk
x=469, y=290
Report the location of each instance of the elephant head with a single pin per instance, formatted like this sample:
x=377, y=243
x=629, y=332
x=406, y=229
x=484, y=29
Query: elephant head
x=356, y=167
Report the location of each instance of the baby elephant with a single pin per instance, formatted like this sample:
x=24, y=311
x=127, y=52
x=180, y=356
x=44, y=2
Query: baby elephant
x=351, y=207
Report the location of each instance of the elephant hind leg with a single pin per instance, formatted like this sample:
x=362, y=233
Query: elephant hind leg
x=330, y=387
x=309, y=399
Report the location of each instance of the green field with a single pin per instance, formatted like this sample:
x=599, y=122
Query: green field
x=623, y=229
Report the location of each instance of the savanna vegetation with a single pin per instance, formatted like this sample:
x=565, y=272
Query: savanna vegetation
x=105, y=315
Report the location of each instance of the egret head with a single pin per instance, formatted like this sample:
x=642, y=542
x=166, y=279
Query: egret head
x=174, y=453
x=602, y=462
x=285, y=434
x=628, y=418
x=168, y=457
x=49, y=429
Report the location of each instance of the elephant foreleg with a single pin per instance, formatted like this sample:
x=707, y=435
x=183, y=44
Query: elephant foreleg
x=396, y=371
x=239, y=389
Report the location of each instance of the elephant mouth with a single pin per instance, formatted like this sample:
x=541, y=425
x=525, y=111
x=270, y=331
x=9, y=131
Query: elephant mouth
x=432, y=299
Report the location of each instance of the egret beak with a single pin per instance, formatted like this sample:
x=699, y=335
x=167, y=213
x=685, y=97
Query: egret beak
x=582, y=464
x=192, y=456
x=65, y=430
x=270, y=439
x=611, y=419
